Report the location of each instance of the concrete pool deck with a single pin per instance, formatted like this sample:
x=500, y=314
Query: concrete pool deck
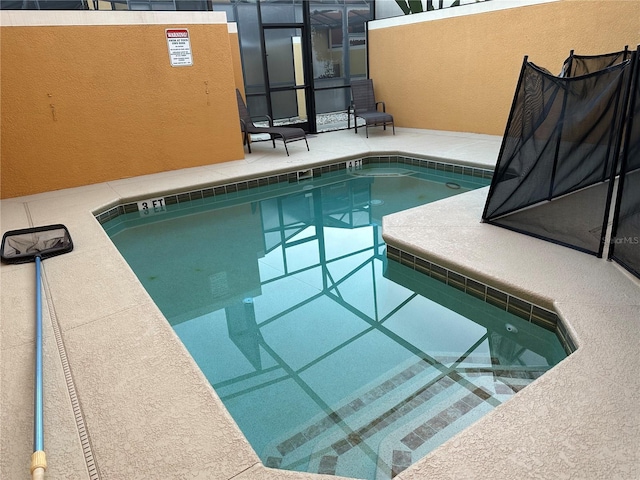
x=125, y=400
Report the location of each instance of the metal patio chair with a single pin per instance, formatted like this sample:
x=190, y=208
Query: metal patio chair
x=364, y=106
x=287, y=134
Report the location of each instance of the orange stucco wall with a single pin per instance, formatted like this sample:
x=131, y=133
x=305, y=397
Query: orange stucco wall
x=87, y=104
x=460, y=73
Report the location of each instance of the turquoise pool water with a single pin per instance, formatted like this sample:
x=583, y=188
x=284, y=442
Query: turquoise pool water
x=330, y=358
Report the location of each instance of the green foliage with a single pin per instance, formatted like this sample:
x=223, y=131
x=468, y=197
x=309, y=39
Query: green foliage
x=410, y=6
x=404, y=7
x=415, y=6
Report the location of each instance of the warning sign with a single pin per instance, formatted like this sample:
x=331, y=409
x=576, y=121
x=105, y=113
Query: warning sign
x=179, y=47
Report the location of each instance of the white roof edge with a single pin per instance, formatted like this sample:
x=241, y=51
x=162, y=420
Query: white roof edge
x=468, y=9
x=45, y=18
x=232, y=27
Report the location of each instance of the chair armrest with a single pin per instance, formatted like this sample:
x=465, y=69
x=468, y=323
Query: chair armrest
x=243, y=125
x=264, y=116
x=384, y=108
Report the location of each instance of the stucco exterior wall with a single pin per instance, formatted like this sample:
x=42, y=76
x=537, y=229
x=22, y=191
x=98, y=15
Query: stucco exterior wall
x=89, y=97
x=460, y=73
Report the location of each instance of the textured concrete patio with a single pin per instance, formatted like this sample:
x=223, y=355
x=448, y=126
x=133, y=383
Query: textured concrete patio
x=124, y=399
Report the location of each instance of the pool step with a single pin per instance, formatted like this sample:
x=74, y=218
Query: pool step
x=347, y=432
x=398, y=418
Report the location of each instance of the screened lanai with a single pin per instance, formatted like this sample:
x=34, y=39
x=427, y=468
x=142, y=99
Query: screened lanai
x=298, y=58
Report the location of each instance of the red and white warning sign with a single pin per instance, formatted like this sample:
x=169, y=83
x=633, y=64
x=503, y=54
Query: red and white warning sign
x=179, y=47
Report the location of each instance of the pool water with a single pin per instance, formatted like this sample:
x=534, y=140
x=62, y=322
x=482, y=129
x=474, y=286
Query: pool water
x=330, y=358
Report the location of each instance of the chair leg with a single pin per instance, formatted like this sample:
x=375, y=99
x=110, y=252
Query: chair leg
x=285, y=146
x=393, y=126
x=305, y=141
x=247, y=141
x=273, y=140
x=366, y=129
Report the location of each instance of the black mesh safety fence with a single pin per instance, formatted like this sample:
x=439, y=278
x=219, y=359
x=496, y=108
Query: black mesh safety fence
x=559, y=152
x=625, y=237
x=577, y=65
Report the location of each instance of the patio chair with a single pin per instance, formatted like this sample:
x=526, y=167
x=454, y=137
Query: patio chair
x=364, y=106
x=287, y=134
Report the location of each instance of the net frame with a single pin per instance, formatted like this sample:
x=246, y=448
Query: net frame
x=24, y=245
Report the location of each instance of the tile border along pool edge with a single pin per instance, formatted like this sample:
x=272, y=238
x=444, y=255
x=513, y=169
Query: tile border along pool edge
x=112, y=211
x=530, y=312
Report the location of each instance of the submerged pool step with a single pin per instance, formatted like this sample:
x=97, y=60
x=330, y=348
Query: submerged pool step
x=410, y=428
x=417, y=393
x=410, y=442
x=377, y=396
x=380, y=439
x=370, y=402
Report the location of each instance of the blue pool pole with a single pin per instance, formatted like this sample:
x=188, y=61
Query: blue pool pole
x=38, y=458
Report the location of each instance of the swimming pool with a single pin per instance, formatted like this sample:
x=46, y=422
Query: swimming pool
x=330, y=358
